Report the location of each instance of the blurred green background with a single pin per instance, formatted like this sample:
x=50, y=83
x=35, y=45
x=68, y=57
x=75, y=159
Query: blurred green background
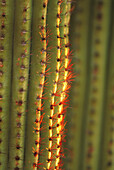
x=90, y=117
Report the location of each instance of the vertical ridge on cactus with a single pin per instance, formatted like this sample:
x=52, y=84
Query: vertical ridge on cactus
x=66, y=80
x=47, y=136
x=36, y=85
x=80, y=32
x=20, y=74
x=107, y=146
x=59, y=149
x=6, y=36
x=95, y=110
x=55, y=86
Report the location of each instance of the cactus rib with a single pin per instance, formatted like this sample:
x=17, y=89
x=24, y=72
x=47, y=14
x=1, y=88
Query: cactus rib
x=21, y=56
x=6, y=36
x=97, y=80
x=107, y=144
x=36, y=85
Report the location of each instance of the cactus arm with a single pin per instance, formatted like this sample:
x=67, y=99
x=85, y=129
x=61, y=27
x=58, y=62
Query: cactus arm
x=6, y=34
x=107, y=144
x=95, y=111
x=21, y=56
x=36, y=85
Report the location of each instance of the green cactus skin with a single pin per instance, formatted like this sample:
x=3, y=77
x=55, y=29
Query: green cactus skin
x=6, y=34
x=84, y=146
x=107, y=146
x=37, y=78
x=21, y=57
x=95, y=111
x=80, y=40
